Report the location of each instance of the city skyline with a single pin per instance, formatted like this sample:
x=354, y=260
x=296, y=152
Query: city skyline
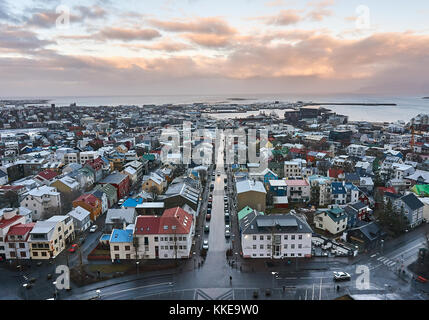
x=208, y=47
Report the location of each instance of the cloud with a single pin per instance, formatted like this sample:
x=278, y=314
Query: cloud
x=283, y=18
x=128, y=34
x=17, y=40
x=201, y=25
x=46, y=19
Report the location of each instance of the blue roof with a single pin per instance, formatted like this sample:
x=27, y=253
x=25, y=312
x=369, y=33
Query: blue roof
x=132, y=203
x=338, y=188
x=350, y=186
x=105, y=237
x=121, y=236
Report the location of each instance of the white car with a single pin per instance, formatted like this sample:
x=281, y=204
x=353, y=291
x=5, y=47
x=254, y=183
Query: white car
x=206, y=245
x=342, y=276
x=93, y=228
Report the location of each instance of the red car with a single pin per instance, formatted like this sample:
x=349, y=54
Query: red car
x=208, y=217
x=73, y=248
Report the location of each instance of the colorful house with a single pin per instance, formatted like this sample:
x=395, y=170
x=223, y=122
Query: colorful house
x=90, y=203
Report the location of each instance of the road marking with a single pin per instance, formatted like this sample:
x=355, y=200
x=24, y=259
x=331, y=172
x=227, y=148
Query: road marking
x=381, y=259
x=412, y=248
x=374, y=255
x=391, y=264
x=136, y=288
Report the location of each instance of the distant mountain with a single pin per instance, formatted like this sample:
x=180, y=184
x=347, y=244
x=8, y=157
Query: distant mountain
x=425, y=98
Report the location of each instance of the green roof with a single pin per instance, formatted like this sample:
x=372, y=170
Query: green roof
x=244, y=212
x=421, y=189
x=150, y=157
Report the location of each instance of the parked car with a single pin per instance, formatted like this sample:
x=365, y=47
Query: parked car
x=218, y=173
x=93, y=228
x=73, y=248
x=206, y=228
x=208, y=216
x=342, y=276
x=206, y=245
x=227, y=233
x=121, y=202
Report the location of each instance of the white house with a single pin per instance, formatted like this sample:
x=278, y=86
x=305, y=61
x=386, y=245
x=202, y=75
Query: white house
x=332, y=220
x=165, y=237
x=8, y=219
x=81, y=218
x=42, y=200
x=275, y=236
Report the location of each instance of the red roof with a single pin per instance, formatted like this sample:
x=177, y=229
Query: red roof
x=296, y=183
x=13, y=188
x=89, y=199
x=47, y=174
x=334, y=173
x=296, y=150
x=386, y=189
x=96, y=164
x=147, y=225
x=7, y=222
x=21, y=229
x=174, y=217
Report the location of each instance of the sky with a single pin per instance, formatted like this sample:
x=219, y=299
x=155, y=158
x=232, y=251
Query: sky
x=171, y=47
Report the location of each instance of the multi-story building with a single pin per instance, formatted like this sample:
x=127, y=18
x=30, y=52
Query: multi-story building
x=121, y=245
x=294, y=168
x=320, y=190
x=50, y=237
x=251, y=193
x=275, y=236
x=43, y=201
x=8, y=219
x=298, y=190
x=356, y=150
x=17, y=246
x=165, y=237
x=333, y=220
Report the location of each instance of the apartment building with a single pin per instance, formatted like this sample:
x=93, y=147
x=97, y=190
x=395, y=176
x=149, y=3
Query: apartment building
x=50, y=237
x=333, y=220
x=8, y=219
x=294, y=168
x=298, y=190
x=275, y=236
x=42, y=201
x=121, y=245
x=356, y=150
x=17, y=246
x=165, y=237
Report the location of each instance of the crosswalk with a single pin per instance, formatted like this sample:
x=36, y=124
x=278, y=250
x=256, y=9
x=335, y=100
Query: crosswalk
x=387, y=262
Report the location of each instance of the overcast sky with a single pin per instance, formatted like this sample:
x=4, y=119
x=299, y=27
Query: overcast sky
x=213, y=47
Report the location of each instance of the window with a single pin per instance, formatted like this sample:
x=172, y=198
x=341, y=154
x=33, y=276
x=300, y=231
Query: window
x=285, y=246
x=268, y=237
x=254, y=237
x=34, y=246
x=12, y=255
x=22, y=245
x=254, y=247
x=292, y=246
x=261, y=238
x=23, y=255
x=300, y=246
x=300, y=237
x=292, y=254
x=116, y=256
x=11, y=245
x=43, y=254
x=156, y=239
x=128, y=256
x=116, y=248
x=35, y=253
x=293, y=237
x=261, y=246
x=127, y=248
x=171, y=247
x=285, y=237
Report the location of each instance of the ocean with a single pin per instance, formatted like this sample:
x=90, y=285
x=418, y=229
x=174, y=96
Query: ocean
x=407, y=106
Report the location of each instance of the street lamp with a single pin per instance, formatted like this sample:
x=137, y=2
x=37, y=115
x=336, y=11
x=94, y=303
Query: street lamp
x=137, y=264
x=25, y=287
x=55, y=287
x=98, y=292
x=273, y=274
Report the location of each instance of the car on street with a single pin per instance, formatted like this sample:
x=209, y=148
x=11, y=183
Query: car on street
x=227, y=226
x=227, y=233
x=121, y=202
x=93, y=228
x=208, y=216
x=341, y=276
x=225, y=198
x=73, y=248
x=225, y=180
x=206, y=228
x=206, y=245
